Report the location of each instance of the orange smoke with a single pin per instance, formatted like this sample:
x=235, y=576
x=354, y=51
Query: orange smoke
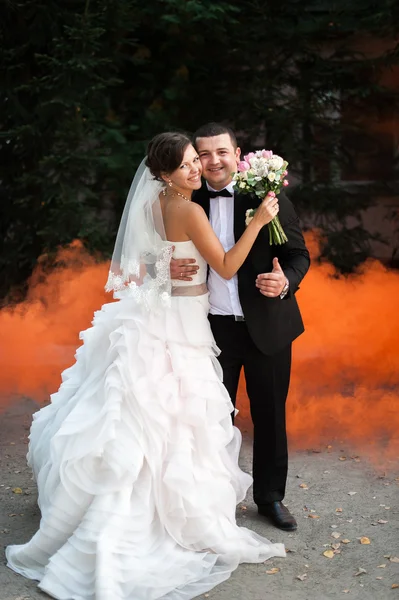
x=345, y=377
x=39, y=336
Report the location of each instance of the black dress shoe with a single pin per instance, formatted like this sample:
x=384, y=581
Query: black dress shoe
x=279, y=515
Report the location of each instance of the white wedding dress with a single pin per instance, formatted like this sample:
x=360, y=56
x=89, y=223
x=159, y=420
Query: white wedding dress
x=136, y=461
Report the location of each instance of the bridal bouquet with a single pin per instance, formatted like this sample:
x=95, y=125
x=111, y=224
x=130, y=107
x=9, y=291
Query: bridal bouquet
x=263, y=173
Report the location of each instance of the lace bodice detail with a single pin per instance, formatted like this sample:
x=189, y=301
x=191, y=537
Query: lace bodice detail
x=188, y=250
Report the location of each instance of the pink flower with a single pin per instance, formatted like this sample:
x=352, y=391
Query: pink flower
x=248, y=156
x=285, y=182
x=267, y=153
x=243, y=165
x=285, y=173
x=271, y=194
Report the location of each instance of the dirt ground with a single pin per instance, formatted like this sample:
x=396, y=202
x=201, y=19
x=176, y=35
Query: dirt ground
x=344, y=506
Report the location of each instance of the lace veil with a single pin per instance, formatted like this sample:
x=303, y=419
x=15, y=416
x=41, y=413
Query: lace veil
x=141, y=257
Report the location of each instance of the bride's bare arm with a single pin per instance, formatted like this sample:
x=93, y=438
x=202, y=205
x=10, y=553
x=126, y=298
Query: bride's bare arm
x=226, y=264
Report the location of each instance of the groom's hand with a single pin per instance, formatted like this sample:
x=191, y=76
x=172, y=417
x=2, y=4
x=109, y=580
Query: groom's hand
x=272, y=284
x=183, y=268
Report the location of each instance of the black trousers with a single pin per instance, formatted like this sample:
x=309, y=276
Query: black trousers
x=267, y=379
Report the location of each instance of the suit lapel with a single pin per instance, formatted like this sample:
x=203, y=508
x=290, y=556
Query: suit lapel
x=201, y=197
x=241, y=204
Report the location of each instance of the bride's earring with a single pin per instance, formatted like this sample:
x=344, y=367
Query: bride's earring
x=170, y=184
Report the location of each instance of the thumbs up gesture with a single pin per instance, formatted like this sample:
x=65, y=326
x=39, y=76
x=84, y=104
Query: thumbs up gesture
x=272, y=284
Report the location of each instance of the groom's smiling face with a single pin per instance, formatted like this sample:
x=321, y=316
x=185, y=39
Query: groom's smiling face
x=219, y=159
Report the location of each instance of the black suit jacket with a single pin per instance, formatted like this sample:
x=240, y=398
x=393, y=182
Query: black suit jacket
x=272, y=323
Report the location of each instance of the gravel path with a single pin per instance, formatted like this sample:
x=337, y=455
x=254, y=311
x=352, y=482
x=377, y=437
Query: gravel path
x=337, y=498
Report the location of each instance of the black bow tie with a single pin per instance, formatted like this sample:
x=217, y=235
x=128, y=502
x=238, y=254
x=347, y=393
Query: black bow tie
x=223, y=192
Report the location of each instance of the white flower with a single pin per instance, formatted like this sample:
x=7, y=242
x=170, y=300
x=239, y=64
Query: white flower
x=275, y=163
x=242, y=184
x=249, y=215
x=259, y=166
x=271, y=176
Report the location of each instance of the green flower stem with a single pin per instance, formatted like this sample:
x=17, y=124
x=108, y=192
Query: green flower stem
x=276, y=232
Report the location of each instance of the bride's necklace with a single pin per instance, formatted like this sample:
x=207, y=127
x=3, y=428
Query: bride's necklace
x=182, y=196
x=173, y=193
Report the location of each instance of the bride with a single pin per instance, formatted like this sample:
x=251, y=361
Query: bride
x=136, y=457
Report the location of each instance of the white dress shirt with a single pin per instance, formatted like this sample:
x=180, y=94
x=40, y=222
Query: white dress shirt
x=223, y=293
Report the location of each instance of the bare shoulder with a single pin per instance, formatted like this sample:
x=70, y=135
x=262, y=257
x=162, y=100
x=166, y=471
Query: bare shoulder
x=194, y=210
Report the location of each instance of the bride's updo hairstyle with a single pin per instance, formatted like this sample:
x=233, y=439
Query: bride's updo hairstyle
x=165, y=153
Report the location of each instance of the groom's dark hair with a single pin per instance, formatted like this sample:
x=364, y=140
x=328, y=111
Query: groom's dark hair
x=212, y=129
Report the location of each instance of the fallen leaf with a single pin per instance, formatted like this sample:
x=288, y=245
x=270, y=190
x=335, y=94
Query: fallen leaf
x=334, y=526
x=361, y=571
x=351, y=493
x=381, y=521
x=345, y=591
x=342, y=458
x=336, y=535
x=338, y=510
x=304, y=486
x=378, y=577
x=381, y=566
x=335, y=546
x=349, y=520
x=273, y=571
x=394, y=559
x=365, y=540
x=302, y=577
x=394, y=586
x=313, y=517
x=13, y=515
x=387, y=556
x=243, y=508
x=329, y=554
x=346, y=541
x=387, y=508
x=17, y=490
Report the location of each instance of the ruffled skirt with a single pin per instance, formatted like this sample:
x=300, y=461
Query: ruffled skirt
x=136, y=463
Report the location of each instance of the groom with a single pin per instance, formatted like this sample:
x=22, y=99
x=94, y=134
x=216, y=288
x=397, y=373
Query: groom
x=254, y=316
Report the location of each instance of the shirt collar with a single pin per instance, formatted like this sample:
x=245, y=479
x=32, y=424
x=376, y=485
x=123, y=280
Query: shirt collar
x=229, y=187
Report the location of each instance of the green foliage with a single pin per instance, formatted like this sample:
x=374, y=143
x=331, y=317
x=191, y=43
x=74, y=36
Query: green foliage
x=88, y=83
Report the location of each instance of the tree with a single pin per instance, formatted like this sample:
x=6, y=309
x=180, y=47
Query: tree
x=88, y=83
